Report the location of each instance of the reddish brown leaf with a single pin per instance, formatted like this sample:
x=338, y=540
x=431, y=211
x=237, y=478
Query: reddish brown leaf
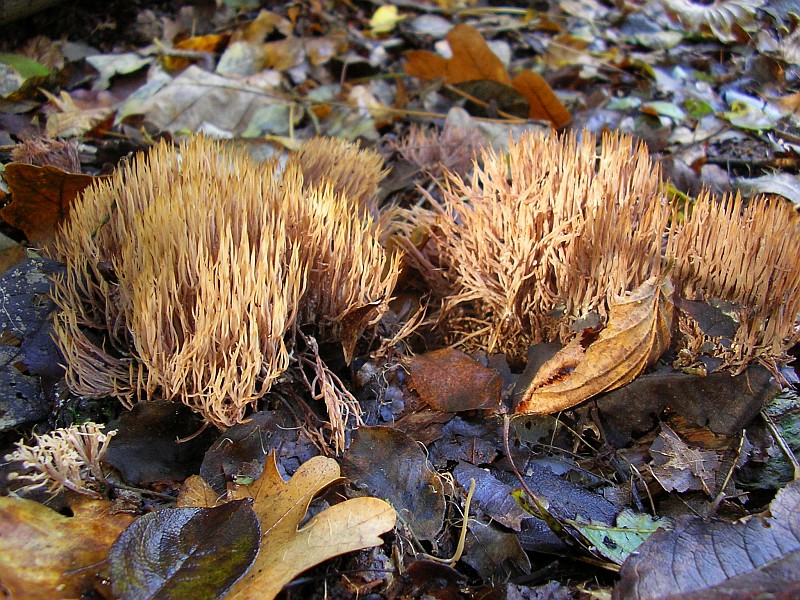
x=472, y=58
x=425, y=65
x=474, y=61
x=544, y=104
x=41, y=199
x=450, y=381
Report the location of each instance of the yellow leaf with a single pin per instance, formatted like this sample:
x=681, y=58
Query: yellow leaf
x=44, y=554
x=637, y=333
x=385, y=19
x=287, y=551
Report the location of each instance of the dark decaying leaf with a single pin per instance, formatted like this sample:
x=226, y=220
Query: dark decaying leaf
x=494, y=553
x=700, y=559
x=450, y=381
x=185, y=552
x=475, y=442
x=711, y=316
x=567, y=500
x=487, y=98
x=679, y=467
x=491, y=495
x=391, y=465
x=147, y=449
x=243, y=449
x=723, y=403
x=434, y=580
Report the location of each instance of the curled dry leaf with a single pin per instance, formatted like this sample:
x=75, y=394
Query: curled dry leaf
x=637, y=333
x=719, y=16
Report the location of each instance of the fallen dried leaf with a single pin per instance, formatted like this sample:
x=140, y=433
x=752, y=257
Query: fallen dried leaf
x=698, y=559
x=199, y=45
x=679, y=467
x=474, y=61
x=544, y=104
x=287, y=551
x=472, y=58
x=720, y=16
x=637, y=333
x=450, y=381
x=41, y=199
x=46, y=555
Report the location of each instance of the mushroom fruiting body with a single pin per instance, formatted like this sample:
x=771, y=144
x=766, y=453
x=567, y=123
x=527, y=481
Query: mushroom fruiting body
x=189, y=270
x=544, y=235
x=543, y=240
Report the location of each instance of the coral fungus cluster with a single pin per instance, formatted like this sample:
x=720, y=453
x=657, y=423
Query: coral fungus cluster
x=191, y=268
x=538, y=242
x=193, y=272
x=544, y=235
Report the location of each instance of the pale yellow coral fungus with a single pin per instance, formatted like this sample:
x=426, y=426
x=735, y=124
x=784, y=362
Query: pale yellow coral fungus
x=66, y=458
x=546, y=233
x=745, y=253
x=555, y=229
x=189, y=270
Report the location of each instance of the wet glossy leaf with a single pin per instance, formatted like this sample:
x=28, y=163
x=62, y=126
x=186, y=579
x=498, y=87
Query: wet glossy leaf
x=701, y=559
x=450, y=381
x=185, y=552
x=41, y=198
x=391, y=465
x=287, y=550
x=637, y=333
x=46, y=555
